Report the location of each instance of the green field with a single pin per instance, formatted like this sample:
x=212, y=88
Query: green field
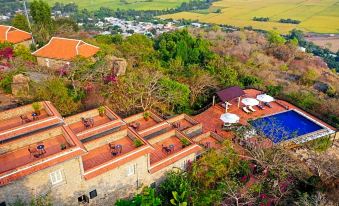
x=127, y=4
x=321, y=16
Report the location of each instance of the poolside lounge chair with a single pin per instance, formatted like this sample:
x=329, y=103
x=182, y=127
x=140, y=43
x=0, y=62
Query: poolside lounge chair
x=260, y=107
x=246, y=110
x=251, y=109
x=267, y=104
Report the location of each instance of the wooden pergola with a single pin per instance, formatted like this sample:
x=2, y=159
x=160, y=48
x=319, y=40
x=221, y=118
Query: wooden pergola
x=228, y=94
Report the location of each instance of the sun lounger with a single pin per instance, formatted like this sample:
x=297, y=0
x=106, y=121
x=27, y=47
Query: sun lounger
x=260, y=107
x=251, y=108
x=268, y=104
x=246, y=110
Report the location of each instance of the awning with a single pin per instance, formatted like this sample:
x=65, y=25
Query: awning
x=230, y=93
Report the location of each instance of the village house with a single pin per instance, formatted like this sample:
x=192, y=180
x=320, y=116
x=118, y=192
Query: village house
x=15, y=36
x=60, y=51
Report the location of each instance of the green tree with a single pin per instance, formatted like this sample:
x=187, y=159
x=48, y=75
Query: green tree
x=275, y=38
x=24, y=53
x=174, y=94
x=310, y=76
x=19, y=21
x=55, y=90
x=40, y=12
x=43, y=25
x=174, y=181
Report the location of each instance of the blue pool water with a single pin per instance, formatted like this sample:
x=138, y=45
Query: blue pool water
x=284, y=126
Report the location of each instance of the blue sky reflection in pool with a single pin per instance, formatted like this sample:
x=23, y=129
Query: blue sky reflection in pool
x=285, y=126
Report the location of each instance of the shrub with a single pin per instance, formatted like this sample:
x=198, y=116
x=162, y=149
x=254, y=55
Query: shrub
x=185, y=142
x=137, y=143
x=320, y=144
x=55, y=90
x=36, y=106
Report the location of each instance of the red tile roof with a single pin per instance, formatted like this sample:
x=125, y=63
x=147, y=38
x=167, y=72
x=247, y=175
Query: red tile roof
x=13, y=35
x=66, y=49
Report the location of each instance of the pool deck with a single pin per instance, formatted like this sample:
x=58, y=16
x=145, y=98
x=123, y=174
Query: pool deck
x=211, y=117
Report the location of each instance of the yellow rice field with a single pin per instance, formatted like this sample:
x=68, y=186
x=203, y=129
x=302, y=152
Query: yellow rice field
x=320, y=16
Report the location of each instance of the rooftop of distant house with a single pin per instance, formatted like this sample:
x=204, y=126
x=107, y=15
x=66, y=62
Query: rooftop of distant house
x=13, y=35
x=66, y=49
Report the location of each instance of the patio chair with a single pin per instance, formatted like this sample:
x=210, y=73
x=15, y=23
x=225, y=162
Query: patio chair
x=33, y=152
x=246, y=110
x=118, y=148
x=171, y=147
x=111, y=146
x=251, y=109
x=24, y=119
x=166, y=149
x=90, y=121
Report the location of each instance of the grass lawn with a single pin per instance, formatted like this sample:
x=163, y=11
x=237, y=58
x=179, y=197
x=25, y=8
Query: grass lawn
x=130, y=4
x=321, y=16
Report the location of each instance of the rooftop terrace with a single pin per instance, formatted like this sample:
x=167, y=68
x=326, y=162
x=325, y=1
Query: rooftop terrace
x=35, y=152
x=22, y=120
x=113, y=150
x=139, y=122
x=209, y=140
x=169, y=148
x=90, y=123
x=211, y=117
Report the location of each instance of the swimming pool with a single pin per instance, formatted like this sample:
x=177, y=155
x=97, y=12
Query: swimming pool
x=285, y=126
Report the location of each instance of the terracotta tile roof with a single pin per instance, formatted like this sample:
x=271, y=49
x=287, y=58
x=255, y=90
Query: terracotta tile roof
x=13, y=35
x=66, y=49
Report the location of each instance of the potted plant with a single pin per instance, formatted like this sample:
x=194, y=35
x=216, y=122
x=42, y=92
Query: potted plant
x=101, y=111
x=36, y=107
x=137, y=143
x=63, y=146
x=184, y=142
x=146, y=115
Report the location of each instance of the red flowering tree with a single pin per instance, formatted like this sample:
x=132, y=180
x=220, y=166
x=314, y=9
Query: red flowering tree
x=6, y=53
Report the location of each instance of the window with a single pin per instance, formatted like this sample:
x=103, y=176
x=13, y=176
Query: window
x=56, y=177
x=93, y=194
x=83, y=199
x=131, y=170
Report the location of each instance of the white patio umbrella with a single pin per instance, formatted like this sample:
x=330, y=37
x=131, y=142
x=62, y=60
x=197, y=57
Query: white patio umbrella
x=229, y=118
x=250, y=101
x=265, y=98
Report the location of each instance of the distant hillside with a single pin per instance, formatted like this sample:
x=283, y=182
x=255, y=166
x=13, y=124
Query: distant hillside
x=124, y=4
x=314, y=16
